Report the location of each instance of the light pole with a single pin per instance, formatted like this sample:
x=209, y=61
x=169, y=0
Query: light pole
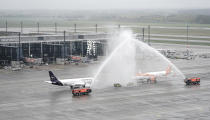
x=6, y=26
x=75, y=28
x=96, y=28
x=143, y=34
x=56, y=28
x=21, y=27
x=37, y=27
x=64, y=44
x=19, y=47
x=149, y=35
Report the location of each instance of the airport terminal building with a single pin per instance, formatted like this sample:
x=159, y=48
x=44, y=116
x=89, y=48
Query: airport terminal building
x=17, y=47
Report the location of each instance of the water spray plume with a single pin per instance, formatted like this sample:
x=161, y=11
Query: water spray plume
x=130, y=56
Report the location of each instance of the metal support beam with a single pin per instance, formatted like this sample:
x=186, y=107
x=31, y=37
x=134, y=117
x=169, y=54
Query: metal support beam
x=11, y=53
x=19, y=47
x=21, y=27
x=29, y=49
x=96, y=28
x=70, y=47
x=54, y=51
x=187, y=42
x=75, y=28
x=6, y=26
x=56, y=28
x=143, y=34
x=41, y=50
x=64, y=44
x=37, y=27
x=82, y=48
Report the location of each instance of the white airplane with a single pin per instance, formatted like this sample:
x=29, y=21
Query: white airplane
x=152, y=76
x=72, y=83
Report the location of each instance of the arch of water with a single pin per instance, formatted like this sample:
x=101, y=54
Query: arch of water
x=128, y=57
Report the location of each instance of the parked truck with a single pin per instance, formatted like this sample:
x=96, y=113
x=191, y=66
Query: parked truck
x=81, y=91
x=192, y=81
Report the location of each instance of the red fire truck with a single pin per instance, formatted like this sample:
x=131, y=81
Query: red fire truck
x=81, y=91
x=192, y=81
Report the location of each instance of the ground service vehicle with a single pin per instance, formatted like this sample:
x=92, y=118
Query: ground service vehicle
x=192, y=81
x=81, y=91
x=117, y=85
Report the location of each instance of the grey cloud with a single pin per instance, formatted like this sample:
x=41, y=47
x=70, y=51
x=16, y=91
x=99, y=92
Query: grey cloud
x=103, y=4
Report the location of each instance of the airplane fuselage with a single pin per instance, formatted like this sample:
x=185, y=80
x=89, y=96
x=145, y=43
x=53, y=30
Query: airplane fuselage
x=153, y=75
x=77, y=81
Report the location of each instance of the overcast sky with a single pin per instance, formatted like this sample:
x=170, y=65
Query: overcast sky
x=103, y=4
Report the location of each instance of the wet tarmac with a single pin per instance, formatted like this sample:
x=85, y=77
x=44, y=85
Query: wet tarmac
x=25, y=96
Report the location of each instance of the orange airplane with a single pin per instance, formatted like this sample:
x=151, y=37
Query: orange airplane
x=152, y=76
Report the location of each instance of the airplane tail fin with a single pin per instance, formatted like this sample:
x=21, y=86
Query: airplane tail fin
x=54, y=80
x=168, y=70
